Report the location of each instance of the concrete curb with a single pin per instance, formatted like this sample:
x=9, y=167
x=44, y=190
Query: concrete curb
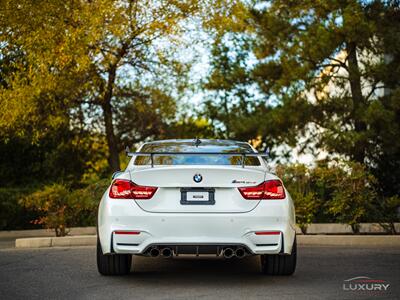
x=335, y=228
x=315, y=240
x=67, y=241
x=46, y=232
x=39, y=242
x=350, y=240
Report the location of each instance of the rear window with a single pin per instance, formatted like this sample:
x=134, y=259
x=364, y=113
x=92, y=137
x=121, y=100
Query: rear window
x=205, y=146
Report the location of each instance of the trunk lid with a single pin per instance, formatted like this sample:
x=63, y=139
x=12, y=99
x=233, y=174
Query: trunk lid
x=221, y=181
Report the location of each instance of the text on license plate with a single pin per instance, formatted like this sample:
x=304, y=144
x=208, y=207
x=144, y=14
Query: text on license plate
x=197, y=196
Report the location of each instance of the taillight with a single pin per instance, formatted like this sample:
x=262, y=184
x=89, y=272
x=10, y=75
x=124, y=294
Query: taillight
x=272, y=189
x=129, y=232
x=126, y=189
x=252, y=192
x=267, y=232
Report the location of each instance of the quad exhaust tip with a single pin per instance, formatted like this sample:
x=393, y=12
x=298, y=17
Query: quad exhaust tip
x=240, y=253
x=229, y=253
x=154, y=252
x=166, y=252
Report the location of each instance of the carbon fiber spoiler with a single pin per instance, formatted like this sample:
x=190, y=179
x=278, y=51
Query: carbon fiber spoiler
x=152, y=154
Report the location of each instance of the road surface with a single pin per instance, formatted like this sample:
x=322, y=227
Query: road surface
x=70, y=273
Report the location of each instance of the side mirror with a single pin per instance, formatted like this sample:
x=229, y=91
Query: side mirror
x=115, y=174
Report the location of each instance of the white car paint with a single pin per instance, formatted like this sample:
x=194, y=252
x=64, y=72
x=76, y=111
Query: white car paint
x=164, y=220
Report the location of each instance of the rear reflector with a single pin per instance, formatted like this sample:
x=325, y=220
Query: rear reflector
x=267, y=232
x=271, y=189
x=126, y=189
x=127, y=232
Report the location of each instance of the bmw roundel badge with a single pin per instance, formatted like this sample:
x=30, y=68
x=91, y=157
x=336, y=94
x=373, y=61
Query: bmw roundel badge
x=197, y=178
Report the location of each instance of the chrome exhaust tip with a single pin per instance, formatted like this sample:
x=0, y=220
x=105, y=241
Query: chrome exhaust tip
x=154, y=252
x=228, y=253
x=166, y=252
x=240, y=253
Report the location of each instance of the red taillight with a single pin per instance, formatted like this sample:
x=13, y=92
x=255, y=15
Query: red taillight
x=267, y=232
x=126, y=189
x=272, y=189
x=252, y=192
x=126, y=232
x=121, y=189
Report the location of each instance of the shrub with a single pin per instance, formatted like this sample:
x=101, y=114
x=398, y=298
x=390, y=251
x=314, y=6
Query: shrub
x=386, y=210
x=337, y=192
x=306, y=206
x=353, y=193
x=52, y=202
x=61, y=207
x=297, y=181
x=86, y=200
x=12, y=214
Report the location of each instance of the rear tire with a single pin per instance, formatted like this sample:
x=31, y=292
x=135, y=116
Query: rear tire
x=279, y=264
x=115, y=264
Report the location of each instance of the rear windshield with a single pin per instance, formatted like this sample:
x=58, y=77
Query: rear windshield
x=209, y=146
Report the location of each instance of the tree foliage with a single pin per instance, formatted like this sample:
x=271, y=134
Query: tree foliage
x=80, y=55
x=324, y=72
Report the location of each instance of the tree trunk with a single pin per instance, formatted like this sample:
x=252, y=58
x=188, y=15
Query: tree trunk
x=113, y=156
x=227, y=115
x=358, y=101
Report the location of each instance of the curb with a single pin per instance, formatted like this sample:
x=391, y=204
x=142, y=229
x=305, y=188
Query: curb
x=312, y=240
x=67, y=241
x=73, y=231
x=350, y=240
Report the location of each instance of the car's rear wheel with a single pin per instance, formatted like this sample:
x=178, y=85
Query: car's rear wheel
x=280, y=264
x=115, y=264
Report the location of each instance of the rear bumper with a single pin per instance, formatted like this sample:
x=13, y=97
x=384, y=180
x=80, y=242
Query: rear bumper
x=117, y=216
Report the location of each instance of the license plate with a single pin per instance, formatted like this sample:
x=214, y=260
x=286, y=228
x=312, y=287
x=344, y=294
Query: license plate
x=202, y=196
x=197, y=196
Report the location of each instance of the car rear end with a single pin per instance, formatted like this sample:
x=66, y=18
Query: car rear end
x=183, y=204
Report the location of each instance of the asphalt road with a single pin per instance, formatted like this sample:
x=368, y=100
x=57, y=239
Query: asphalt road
x=8, y=242
x=70, y=273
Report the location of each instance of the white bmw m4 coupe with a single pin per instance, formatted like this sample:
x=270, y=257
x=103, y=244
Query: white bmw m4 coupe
x=196, y=197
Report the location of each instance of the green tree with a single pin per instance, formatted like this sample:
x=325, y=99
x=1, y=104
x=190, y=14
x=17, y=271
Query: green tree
x=78, y=56
x=143, y=115
x=327, y=72
x=190, y=127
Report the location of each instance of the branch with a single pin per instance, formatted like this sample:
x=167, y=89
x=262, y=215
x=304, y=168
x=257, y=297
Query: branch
x=374, y=87
x=333, y=66
x=341, y=63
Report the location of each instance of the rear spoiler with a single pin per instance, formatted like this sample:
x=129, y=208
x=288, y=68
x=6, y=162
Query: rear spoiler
x=152, y=154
